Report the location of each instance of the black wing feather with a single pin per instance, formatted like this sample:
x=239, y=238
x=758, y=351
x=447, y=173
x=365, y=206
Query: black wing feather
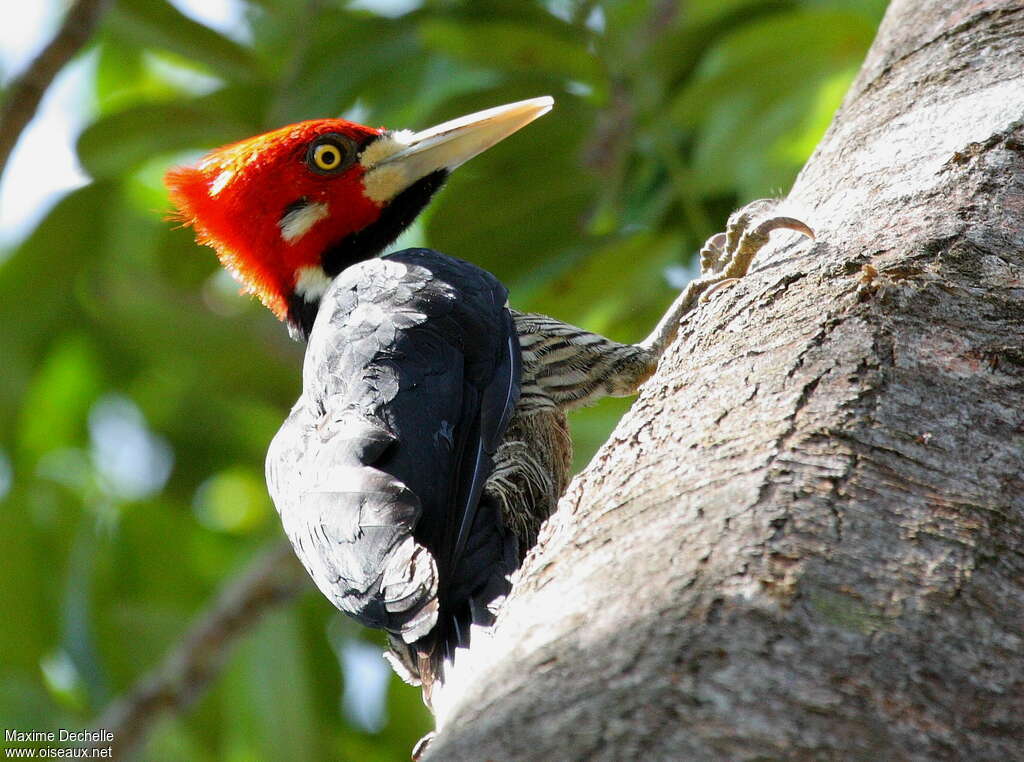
x=411, y=376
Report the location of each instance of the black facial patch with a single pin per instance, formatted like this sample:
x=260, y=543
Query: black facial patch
x=394, y=218
x=301, y=315
x=295, y=206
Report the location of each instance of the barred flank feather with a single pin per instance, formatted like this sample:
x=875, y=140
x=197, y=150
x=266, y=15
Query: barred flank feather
x=565, y=367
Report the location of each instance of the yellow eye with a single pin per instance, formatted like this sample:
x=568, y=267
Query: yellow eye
x=327, y=157
x=331, y=153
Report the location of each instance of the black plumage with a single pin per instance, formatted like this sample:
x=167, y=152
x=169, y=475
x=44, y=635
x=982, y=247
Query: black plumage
x=411, y=376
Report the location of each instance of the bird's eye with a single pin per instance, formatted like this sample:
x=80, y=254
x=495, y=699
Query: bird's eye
x=330, y=154
x=326, y=157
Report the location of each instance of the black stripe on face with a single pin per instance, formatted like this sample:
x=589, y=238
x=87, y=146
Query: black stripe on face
x=301, y=316
x=294, y=206
x=394, y=218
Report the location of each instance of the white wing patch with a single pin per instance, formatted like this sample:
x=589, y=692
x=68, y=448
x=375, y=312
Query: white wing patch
x=298, y=222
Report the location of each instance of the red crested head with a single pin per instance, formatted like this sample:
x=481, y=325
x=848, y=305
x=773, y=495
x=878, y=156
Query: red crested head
x=271, y=204
x=286, y=211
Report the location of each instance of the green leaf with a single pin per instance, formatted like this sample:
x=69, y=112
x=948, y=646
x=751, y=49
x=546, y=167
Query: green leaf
x=37, y=286
x=348, y=57
x=277, y=720
x=515, y=48
x=57, y=403
x=234, y=501
x=158, y=23
x=120, y=142
x=745, y=96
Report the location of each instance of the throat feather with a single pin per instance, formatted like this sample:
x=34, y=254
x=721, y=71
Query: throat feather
x=395, y=217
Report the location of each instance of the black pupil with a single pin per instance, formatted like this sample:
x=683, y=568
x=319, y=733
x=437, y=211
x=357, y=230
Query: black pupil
x=330, y=154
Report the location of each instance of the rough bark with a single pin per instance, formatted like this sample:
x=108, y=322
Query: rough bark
x=806, y=539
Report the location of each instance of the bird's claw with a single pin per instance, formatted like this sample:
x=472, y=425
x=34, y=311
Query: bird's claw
x=724, y=259
x=711, y=254
x=746, y=232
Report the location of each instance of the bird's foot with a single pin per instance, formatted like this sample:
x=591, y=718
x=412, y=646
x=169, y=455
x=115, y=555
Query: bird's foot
x=724, y=259
x=730, y=253
x=712, y=254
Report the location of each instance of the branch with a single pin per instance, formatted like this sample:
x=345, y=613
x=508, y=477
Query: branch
x=274, y=578
x=26, y=91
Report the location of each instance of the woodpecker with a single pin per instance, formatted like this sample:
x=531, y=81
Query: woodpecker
x=430, y=440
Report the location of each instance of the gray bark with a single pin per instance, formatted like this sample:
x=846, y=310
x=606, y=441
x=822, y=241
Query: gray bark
x=806, y=539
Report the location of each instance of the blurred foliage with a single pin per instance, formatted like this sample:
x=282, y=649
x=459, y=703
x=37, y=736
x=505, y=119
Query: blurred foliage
x=139, y=390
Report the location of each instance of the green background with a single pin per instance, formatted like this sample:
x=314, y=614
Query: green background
x=139, y=390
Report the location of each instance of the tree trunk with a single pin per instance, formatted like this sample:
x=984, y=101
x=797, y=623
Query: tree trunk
x=806, y=539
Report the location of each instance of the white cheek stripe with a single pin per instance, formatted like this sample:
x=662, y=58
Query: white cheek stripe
x=297, y=223
x=311, y=282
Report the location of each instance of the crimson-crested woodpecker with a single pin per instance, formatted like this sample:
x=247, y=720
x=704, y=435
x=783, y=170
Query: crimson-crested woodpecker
x=430, y=439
